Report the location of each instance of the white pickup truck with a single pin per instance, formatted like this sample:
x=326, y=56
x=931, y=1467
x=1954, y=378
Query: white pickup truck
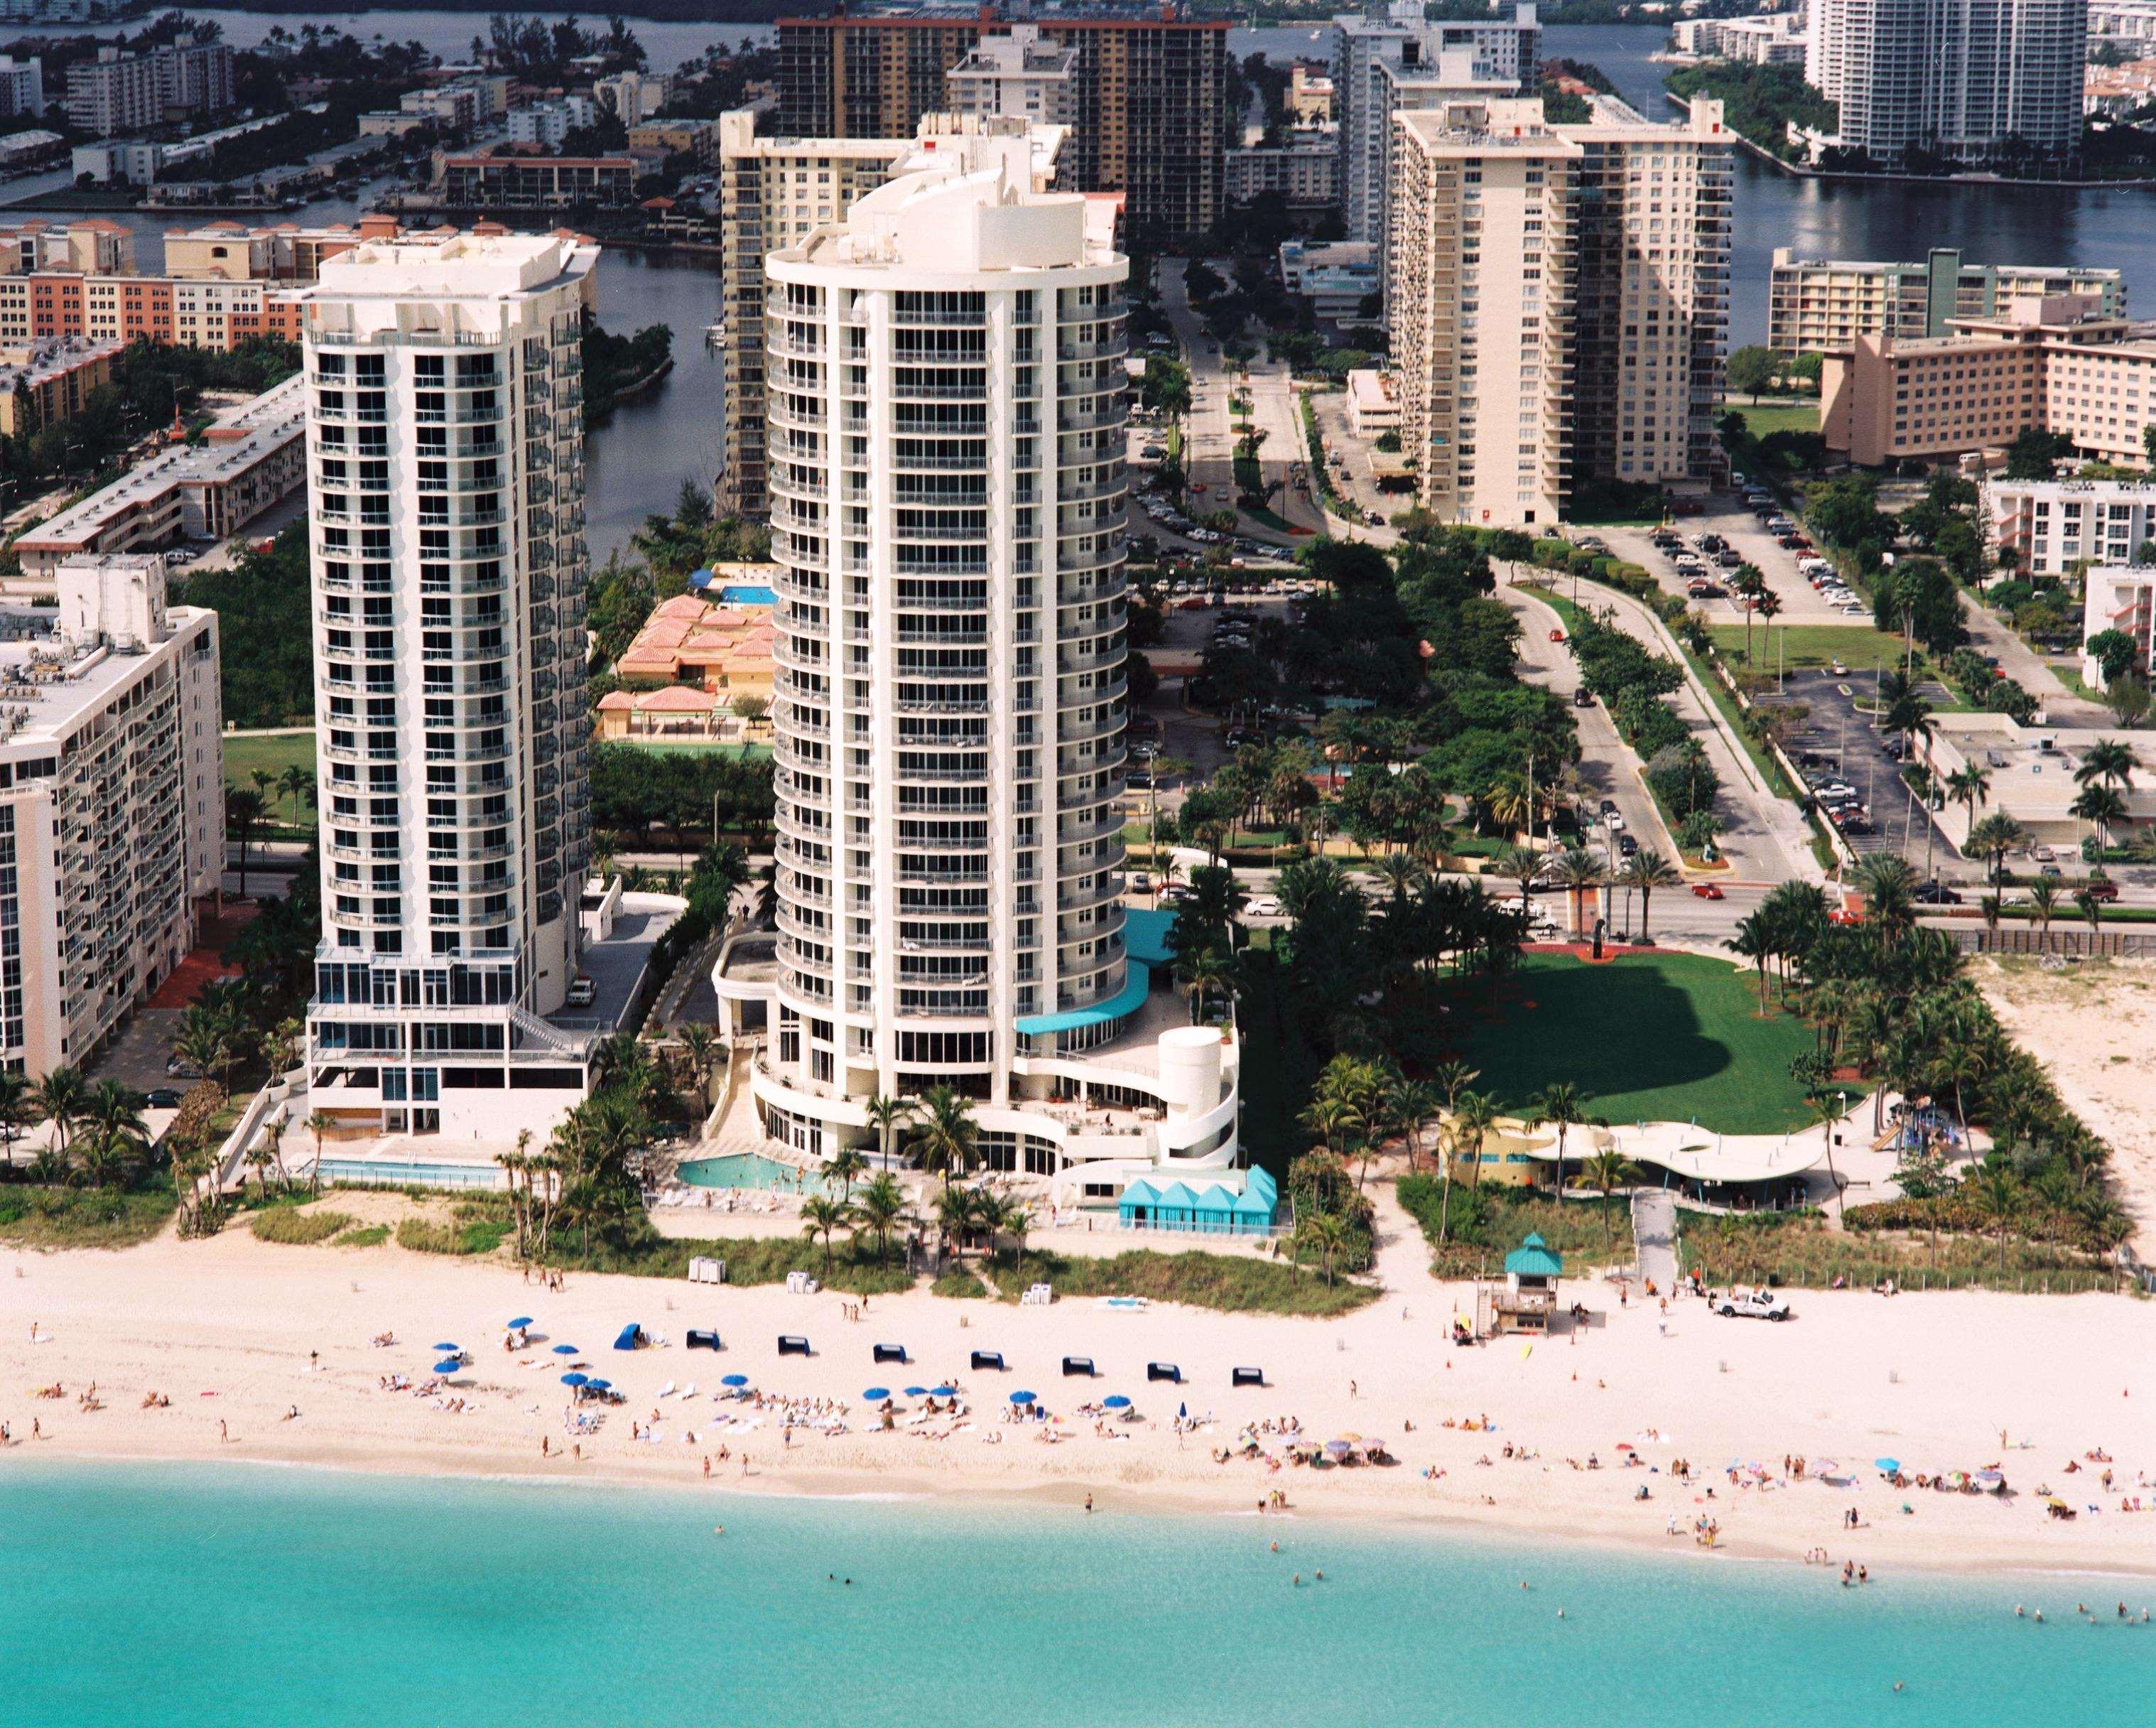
x=1751, y=1305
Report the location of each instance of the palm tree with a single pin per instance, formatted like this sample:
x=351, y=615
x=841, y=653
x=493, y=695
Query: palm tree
x=2102, y=808
x=1754, y=942
x=2091, y=909
x=846, y=1167
x=113, y=1109
x=1202, y=973
x=1647, y=870
x=1522, y=865
x=61, y=1097
x=1580, y=872
x=1993, y=838
x=1889, y=886
x=880, y=1206
x=243, y=809
x=2107, y=761
x=14, y=1109
x=948, y=1139
x=1972, y=785
x=1606, y=1172
x=2043, y=902
x=819, y=1217
x=700, y=1046
x=1403, y=875
x=1413, y=1102
x=1562, y=1104
x=1997, y=1192
x=294, y=783
x=1472, y=1120
x=1017, y=1221
x=1324, y=1235
x=885, y=1115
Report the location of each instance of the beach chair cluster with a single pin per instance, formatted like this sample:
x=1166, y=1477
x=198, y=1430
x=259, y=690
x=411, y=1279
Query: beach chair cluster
x=703, y=1269
x=1037, y=1296
x=799, y=1283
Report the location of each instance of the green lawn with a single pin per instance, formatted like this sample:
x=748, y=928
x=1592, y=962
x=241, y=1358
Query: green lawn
x=1801, y=646
x=1648, y=1037
x=272, y=756
x=1770, y=415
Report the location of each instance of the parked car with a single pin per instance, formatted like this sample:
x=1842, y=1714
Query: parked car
x=1262, y=906
x=1751, y=1305
x=162, y=1098
x=1936, y=893
x=1614, y=820
x=2100, y=888
x=583, y=991
x=180, y=1068
x=1582, y=697
x=1139, y=881
x=1627, y=847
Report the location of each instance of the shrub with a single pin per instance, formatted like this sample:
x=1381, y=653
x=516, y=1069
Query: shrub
x=468, y=1233
x=368, y=1236
x=300, y=1226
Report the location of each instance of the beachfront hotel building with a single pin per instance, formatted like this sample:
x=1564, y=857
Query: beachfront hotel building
x=1972, y=80
x=2055, y=365
x=111, y=804
x=946, y=401
x=445, y=446
x=773, y=192
x=1148, y=90
x=1389, y=60
x=1559, y=301
x=1821, y=306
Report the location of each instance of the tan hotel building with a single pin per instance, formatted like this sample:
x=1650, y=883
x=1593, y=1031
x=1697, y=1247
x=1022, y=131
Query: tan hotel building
x=1559, y=299
x=2057, y=364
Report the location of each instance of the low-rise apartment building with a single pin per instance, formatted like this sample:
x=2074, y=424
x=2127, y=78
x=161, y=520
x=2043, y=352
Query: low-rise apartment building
x=538, y=182
x=2056, y=365
x=250, y=457
x=2118, y=596
x=1821, y=306
x=2050, y=526
x=111, y=806
x=1304, y=171
x=1772, y=38
x=45, y=382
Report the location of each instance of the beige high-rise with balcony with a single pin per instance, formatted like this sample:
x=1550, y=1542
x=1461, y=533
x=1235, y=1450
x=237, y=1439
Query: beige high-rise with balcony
x=1559, y=301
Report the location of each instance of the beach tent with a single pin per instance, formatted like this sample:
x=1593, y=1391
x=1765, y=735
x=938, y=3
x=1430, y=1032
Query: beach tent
x=1178, y=1207
x=1140, y=1204
x=632, y=1335
x=1258, y=1202
x=1212, y=1209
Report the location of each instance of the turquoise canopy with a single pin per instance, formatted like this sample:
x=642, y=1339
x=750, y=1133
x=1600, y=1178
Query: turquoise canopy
x=1214, y=1208
x=1127, y=1001
x=1533, y=1258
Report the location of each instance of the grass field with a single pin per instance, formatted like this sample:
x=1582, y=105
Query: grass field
x=1648, y=1037
x=272, y=756
x=1770, y=415
x=1801, y=646
x=695, y=747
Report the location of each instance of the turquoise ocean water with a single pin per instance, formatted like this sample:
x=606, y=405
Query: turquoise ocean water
x=238, y=1596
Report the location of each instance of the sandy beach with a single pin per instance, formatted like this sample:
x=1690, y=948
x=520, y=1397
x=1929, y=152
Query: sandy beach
x=225, y=1330
x=2091, y=1025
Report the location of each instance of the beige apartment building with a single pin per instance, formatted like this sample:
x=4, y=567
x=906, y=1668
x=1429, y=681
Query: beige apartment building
x=112, y=805
x=2058, y=364
x=1559, y=301
x=773, y=192
x=1819, y=305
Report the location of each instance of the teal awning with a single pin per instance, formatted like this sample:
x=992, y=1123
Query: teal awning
x=1214, y=1198
x=1128, y=1000
x=1533, y=1258
x=1145, y=934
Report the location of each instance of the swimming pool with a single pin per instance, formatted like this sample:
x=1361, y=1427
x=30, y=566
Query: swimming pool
x=362, y=1172
x=749, y=1170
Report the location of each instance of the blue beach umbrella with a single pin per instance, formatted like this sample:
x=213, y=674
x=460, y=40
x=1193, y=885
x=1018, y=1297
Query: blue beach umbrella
x=565, y=1350
x=876, y=1393
x=1021, y=1397
x=946, y=1392
x=600, y=1385
x=1890, y=1465
x=916, y=1392
x=516, y=1325
x=448, y=1365
x=735, y=1379
x=1116, y=1400
x=446, y=1348
x=576, y=1380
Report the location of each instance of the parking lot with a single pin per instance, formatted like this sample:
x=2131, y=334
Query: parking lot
x=1841, y=747
x=1739, y=529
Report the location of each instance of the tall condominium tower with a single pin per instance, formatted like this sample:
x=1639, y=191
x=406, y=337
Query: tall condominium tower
x=445, y=440
x=773, y=192
x=1560, y=301
x=1390, y=61
x=1972, y=80
x=947, y=475
x=1146, y=90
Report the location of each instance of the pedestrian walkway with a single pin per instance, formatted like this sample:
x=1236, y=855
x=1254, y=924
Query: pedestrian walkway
x=1654, y=1234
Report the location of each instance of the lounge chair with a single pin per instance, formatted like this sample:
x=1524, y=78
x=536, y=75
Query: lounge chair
x=1246, y=1377
x=1078, y=1364
x=988, y=1359
x=791, y=1344
x=703, y=1340
x=1164, y=1371
x=888, y=1353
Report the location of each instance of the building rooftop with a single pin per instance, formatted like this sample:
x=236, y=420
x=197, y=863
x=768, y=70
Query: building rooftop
x=26, y=365
x=484, y=264
x=237, y=440
x=47, y=682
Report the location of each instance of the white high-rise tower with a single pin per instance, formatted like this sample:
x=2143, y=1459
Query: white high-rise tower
x=946, y=397
x=446, y=446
